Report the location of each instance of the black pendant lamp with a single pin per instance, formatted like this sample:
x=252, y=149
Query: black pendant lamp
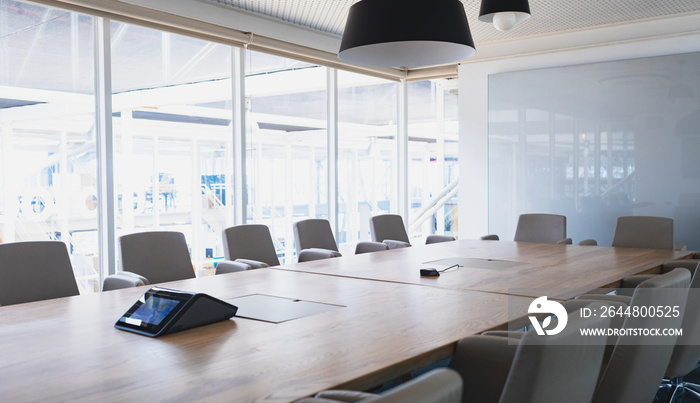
x=406, y=33
x=504, y=13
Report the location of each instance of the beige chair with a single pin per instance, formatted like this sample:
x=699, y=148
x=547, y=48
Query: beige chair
x=441, y=385
x=542, y=228
x=644, y=232
x=532, y=368
x=35, y=271
x=250, y=244
x=389, y=229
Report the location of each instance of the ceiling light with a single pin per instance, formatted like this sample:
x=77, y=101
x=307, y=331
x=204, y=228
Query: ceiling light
x=504, y=13
x=406, y=33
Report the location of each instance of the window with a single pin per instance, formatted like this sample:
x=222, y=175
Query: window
x=367, y=119
x=433, y=154
x=173, y=136
x=47, y=133
x=286, y=145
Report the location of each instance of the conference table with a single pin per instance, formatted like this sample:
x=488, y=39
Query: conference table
x=513, y=268
x=382, y=320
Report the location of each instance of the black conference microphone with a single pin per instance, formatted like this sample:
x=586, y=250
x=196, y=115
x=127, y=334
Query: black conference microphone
x=435, y=272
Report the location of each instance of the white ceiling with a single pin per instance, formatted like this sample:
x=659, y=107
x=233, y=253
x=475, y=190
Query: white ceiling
x=548, y=16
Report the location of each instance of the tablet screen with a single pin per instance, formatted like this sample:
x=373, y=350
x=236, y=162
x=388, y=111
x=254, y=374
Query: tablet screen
x=152, y=311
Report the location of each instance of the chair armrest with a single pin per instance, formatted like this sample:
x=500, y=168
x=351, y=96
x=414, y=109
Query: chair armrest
x=392, y=244
x=565, y=241
x=348, y=396
x=624, y=299
x=366, y=247
x=123, y=279
x=690, y=264
x=490, y=237
x=307, y=255
x=254, y=264
x=438, y=238
x=513, y=334
x=588, y=242
x=229, y=266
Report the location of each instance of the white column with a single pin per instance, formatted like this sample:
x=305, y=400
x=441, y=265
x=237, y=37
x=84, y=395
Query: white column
x=332, y=122
x=127, y=156
x=105, y=151
x=240, y=197
x=402, y=150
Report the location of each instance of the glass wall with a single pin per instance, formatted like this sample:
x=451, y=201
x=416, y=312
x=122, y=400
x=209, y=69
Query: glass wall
x=286, y=145
x=595, y=142
x=433, y=135
x=173, y=136
x=47, y=133
x=367, y=175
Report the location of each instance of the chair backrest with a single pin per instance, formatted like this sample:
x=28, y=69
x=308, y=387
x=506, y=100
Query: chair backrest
x=637, y=365
x=250, y=241
x=686, y=353
x=441, y=385
x=159, y=256
x=543, y=228
x=644, y=232
x=388, y=226
x=35, y=271
x=314, y=233
x=557, y=368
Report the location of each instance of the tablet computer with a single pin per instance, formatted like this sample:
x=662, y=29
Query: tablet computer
x=161, y=310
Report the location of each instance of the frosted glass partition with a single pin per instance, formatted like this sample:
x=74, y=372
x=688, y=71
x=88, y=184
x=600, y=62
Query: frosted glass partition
x=595, y=142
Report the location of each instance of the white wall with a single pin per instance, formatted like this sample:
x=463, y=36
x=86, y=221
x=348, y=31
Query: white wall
x=626, y=41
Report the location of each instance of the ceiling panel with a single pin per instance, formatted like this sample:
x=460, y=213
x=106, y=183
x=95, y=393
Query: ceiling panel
x=548, y=16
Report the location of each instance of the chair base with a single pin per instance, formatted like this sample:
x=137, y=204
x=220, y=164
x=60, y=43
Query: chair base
x=677, y=390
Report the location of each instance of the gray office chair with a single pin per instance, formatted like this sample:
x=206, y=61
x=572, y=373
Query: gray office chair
x=542, y=228
x=250, y=244
x=35, y=271
x=644, y=232
x=686, y=353
x=440, y=385
x=588, y=242
x=533, y=368
x=637, y=366
x=314, y=240
x=389, y=229
x=159, y=256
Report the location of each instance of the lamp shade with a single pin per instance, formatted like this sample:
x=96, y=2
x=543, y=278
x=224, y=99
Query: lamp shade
x=504, y=13
x=406, y=33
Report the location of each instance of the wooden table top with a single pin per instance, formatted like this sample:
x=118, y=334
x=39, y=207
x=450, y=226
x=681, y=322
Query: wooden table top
x=559, y=271
x=68, y=350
